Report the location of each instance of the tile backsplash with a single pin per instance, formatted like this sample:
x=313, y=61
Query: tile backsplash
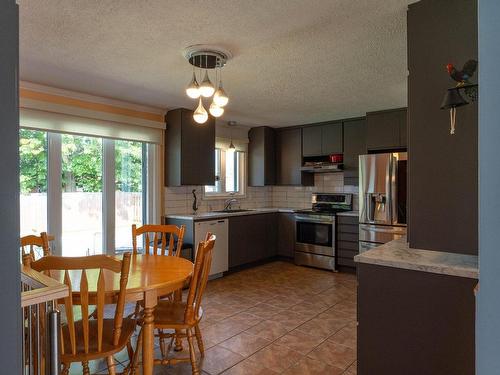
x=179, y=200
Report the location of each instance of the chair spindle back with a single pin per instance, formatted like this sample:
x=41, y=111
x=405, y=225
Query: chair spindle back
x=199, y=279
x=31, y=242
x=84, y=299
x=163, y=233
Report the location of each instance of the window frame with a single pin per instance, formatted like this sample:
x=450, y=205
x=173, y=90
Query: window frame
x=241, y=183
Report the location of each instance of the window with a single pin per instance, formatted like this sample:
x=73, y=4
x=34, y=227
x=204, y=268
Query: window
x=229, y=174
x=86, y=191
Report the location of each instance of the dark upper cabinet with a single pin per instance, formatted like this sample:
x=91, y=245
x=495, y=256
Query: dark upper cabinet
x=386, y=130
x=311, y=141
x=331, y=139
x=289, y=158
x=354, y=145
x=322, y=139
x=189, y=149
x=262, y=156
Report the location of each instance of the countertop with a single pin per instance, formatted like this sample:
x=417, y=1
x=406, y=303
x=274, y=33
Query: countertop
x=397, y=254
x=221, y=215
x=348, y=213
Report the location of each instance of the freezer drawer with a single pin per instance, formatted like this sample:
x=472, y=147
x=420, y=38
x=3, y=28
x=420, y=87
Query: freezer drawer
x=380, y=233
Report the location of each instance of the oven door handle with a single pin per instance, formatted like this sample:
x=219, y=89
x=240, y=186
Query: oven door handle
x=306, y=219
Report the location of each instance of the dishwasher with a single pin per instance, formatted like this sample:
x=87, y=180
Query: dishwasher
x=219, y=228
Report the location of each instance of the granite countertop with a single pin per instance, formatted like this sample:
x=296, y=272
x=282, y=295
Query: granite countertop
x=397, y=254
x=349, y=213
x=220, y=215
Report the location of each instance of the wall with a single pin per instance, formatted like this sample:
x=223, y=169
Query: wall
x=10, y=281
x=179, y=199
x=443, y=191
x=488, y=303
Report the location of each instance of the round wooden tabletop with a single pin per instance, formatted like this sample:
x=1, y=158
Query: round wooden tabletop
x=163, y=273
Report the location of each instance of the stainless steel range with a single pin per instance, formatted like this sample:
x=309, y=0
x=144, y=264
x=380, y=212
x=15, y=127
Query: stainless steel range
x=315, y=230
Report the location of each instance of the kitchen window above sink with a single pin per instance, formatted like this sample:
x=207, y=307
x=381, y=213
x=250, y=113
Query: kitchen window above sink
x=230, y=175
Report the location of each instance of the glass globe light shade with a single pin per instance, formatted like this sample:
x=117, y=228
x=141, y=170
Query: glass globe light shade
x=193, y=89
x=200, y=115
x=215, y=110
x=206, y=87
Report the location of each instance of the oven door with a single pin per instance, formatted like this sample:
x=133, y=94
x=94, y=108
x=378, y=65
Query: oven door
x=315, y=235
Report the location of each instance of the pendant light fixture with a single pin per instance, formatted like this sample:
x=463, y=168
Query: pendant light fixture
x=231, y=148
x=200, y=114
x=207, y=58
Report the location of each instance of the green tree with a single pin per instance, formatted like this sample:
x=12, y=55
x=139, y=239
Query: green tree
x=128, y=159
x=33, y=161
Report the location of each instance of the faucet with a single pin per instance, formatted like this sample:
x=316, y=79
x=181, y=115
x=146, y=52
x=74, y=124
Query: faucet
x=228, y=203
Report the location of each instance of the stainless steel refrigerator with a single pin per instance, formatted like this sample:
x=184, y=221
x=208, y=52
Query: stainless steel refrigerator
x=382, y=198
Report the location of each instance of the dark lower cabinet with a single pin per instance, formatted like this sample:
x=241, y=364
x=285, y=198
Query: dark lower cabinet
x=414, y=323
x=286, y=234
x=252, y=238
x=347, y=242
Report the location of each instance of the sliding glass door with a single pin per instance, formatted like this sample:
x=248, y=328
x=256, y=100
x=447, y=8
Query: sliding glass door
x=81, y=195
x=129, y=190
x=86, y=191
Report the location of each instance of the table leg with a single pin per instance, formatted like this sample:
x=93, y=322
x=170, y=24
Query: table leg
x=150, y=301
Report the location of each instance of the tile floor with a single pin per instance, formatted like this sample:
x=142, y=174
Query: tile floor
x=277, y=318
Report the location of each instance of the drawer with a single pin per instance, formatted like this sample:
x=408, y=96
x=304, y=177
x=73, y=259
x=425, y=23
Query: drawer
x=348, y=245
x=353, y=220
x=352, y=237
x=346, y=262
x=347, y=228
x=343, y=253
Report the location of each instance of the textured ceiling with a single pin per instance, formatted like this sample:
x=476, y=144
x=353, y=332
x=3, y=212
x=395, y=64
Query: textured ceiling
x=294, y=61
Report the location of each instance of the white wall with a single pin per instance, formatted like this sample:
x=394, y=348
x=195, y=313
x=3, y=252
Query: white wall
x=488, y=303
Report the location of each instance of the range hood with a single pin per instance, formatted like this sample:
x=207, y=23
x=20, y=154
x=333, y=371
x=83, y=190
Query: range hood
x=323, y=168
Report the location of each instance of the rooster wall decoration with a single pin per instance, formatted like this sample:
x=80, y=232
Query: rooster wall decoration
x=453, y=98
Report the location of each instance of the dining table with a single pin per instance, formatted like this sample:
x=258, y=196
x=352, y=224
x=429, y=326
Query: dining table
x=150, y=276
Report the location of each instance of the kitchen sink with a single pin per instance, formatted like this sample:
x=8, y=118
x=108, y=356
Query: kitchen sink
x=231, y=211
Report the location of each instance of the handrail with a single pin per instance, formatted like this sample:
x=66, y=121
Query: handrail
x=42, y=288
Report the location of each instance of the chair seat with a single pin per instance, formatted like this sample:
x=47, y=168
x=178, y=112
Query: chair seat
x=170, y=314
x=128, y=327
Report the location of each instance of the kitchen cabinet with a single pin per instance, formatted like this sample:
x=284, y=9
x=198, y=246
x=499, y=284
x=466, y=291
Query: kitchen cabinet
x=386, y=130
x=261, y=156
x=189, y=149
x=286, y=234
x=423, y=322
x=252, y=238
x=354, y=145
x=220, y=252
x=289, y=158
x=347, y=241
x=320, y=140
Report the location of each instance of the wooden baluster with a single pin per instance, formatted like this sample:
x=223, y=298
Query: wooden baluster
x=147, y=243
x=171, y=245
x=100, y=308
x=155, y=243
x=68, y=304
x=163, y=243
x=84, y=300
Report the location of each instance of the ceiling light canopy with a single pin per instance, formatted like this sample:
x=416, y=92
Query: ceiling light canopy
x=205, y=58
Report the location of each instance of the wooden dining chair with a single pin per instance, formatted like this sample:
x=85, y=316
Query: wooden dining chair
x=184, y=317
x=32, y=245
x=83, y=338
x=158, y=236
